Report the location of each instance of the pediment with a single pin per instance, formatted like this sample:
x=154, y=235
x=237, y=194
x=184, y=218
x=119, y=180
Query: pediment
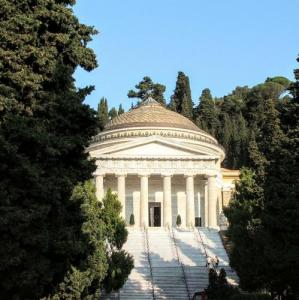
x=150, y=147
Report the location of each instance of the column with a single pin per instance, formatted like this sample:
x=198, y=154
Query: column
x=121, y=191
x=99, y=187
x=212, y=194
x=144, y=200
x=167, y=214
x=206, y=205
x=190, y=201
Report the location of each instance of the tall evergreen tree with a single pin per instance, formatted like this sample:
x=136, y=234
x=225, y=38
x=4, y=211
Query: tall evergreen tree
x=206, y=113
x=147, y=88
x=44, y=130
x=112, y=113
x=264, y=213
x=181, y=100
x=120, y=110
x=103, y=114
x=281, y=215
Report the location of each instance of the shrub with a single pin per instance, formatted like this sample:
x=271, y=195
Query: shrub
x=178, y=220
x=132, y=219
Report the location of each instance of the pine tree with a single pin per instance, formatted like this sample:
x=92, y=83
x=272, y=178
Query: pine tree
x=103, y=115
x=181, y=100
x=147, y=88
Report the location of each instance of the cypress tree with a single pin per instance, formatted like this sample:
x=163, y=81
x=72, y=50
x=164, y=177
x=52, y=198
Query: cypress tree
x=181, y=100
x=120, y=110
x=206, y=113
x=103, y=115
x=147, y=88
x=112, y=113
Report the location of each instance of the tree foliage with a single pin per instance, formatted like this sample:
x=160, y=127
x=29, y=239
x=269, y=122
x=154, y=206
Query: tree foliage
x=103, y=115
x=181, y=101
x=264, y=213
x=49, y=243
x=147, y=88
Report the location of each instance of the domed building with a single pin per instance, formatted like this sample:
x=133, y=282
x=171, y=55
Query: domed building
x=162, y=166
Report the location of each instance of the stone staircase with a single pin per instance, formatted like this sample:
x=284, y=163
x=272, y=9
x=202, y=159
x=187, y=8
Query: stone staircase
x=213, y=245
x=139, y=284
x=168, y=277
x=193, y=259
x=171, y=263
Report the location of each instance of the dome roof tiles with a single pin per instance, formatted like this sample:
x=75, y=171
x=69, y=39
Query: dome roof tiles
x=150, y=113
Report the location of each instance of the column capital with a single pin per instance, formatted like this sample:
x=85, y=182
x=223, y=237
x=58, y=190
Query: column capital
x=121, y=174
x=210, y=174
x=166, y=174
x=186, y=175
x=144, y=174
x=98, y=173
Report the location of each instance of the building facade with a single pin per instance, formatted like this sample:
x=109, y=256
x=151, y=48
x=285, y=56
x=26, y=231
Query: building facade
x=162, y=166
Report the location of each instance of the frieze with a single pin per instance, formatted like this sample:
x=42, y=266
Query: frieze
x=145, y=132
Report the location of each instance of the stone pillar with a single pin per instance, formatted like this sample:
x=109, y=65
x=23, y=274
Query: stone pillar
x=190, y=201
x=167, y=213
x=121, y=191
x=206, y=205
x=99, y=186
x=212, y=194
x=144, y=200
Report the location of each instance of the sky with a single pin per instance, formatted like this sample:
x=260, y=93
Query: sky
x=219, y=44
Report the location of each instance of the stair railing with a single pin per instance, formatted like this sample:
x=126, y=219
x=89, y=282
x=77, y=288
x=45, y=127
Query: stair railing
x=149, y=261
x=200, y=240
x=180, y=262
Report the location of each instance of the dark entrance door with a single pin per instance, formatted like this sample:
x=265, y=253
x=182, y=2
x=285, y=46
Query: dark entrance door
x=154, y=214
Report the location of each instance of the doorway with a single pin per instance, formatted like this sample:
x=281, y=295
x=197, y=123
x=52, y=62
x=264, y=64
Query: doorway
x=154, y=214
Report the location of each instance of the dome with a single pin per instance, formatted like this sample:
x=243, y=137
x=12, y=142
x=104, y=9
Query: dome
x=151, y=114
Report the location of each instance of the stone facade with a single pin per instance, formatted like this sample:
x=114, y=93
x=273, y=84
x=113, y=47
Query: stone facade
x=160, y=169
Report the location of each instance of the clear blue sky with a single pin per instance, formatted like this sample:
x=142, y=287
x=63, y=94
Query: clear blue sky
x=219, y=44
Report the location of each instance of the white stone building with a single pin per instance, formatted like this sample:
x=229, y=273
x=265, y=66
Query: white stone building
x=161, y=165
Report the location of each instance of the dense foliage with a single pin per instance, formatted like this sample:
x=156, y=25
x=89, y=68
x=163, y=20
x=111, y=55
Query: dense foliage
x=264, y=213
x=219, y=289
x=47, y=243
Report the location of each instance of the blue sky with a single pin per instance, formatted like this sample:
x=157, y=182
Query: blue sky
x=219, y=44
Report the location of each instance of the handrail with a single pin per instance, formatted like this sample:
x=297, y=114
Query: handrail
x=181, y=264
x=149, y=261
x=201, y=240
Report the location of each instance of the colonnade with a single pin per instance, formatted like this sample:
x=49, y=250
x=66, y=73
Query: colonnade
x=210, y=199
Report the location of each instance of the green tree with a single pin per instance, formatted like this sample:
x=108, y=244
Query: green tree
x=120, y=262
x=206, y=113
x=104, y=265
x=112, y=113
x=86, y=274
x=103, y=115
x=147, y=88
x=120, y=110
x=281, y=215
x=245, y=231
x=44, y=130
x=181, y=100
x=264, y=212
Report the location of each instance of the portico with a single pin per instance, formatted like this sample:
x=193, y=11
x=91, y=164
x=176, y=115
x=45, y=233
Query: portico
x=176, y=193
x=161, y=165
